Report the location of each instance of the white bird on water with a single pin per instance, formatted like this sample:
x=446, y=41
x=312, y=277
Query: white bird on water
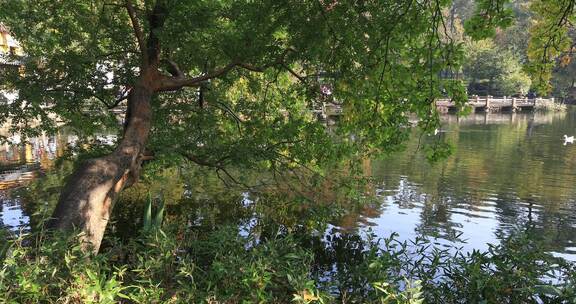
x=568, y=139
x=436, y=131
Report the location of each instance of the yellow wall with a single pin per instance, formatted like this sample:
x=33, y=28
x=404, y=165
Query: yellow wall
x=5, y=45
x=4, y=42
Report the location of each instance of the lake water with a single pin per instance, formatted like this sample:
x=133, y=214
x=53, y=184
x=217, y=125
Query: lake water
x=508, y=173
x=19, y=164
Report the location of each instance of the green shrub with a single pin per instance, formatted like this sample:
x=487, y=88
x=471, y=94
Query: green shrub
x=547, y=105
x=222, y=266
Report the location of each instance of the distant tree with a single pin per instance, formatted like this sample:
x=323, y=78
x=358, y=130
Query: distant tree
x=491, y=70
x=515, y=81
x=563, y=79
x=515, y=37
x=463, y=9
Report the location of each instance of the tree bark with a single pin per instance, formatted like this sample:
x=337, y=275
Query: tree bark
x=88, y=197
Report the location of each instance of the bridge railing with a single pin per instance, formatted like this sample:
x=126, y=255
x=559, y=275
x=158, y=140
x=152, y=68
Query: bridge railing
x=482, y=102
x=497, y=101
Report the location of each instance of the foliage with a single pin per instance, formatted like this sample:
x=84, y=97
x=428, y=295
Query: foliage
x=53, y=271
x=489, y=15
x=516, y=271
x=563, y=79
x=550, y=40
x=224, y=267
x=515, y=81
x=550, y=106
x=383, y=62
x=493, y=71
x=153, y=222
x=515, y=37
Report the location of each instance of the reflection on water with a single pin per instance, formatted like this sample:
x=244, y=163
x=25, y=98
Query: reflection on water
x=508, y=172
x=20, y=163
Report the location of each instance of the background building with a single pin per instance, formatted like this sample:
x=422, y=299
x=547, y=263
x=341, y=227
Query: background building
x=8, y=46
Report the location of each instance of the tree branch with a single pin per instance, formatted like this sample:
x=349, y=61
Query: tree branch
x=156, y=19
x=172, y=83
x=122, y=97
x=173, y=68
x=300, y=77
x=137, y=31
x=175, y=83
x=218, y=164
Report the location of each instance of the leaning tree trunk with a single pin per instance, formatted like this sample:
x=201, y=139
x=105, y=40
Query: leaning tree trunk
x=87, y=199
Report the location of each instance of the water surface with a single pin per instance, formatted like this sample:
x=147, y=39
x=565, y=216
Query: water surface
x=508, y=173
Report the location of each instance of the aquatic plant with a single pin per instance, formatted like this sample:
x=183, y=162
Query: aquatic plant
x=153, y=222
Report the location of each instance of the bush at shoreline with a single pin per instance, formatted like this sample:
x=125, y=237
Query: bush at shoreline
x=221, y=266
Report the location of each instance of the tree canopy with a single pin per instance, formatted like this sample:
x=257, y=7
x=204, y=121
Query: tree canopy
x=262, y=61
x=492, y=70
x=235, y=82
x=263, y=57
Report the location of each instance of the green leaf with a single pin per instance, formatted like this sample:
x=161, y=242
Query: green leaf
x=548, y=290
x=148, y=214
